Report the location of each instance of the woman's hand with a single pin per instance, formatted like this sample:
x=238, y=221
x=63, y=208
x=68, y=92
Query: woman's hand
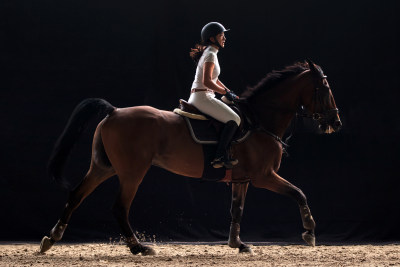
x=231, y=96
x=228, y=93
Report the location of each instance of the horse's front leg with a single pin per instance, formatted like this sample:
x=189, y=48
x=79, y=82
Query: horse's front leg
x=239, y=191
x=277, y=184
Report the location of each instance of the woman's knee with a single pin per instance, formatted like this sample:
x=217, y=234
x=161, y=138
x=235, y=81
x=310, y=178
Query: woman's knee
x=237, y=119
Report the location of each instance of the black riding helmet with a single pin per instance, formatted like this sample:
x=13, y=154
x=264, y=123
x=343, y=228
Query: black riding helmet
x=211, y=29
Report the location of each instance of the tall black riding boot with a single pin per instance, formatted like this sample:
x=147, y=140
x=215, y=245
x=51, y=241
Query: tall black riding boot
x=222, y=157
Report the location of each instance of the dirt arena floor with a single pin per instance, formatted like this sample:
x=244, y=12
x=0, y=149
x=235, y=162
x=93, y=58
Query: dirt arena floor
x=114, y=254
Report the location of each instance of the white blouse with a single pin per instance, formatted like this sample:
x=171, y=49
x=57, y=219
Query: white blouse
x=209, y=55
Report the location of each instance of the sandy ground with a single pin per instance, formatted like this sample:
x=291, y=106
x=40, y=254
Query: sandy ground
x=114, y=254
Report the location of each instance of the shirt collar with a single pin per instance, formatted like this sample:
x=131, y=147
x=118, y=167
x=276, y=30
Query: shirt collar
x=212, y=49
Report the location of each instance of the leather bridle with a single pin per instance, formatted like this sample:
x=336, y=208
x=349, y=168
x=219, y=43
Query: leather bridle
x=321, y=117
x=319, y=100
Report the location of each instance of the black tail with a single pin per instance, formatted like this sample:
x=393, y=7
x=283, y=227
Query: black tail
x=84, y=112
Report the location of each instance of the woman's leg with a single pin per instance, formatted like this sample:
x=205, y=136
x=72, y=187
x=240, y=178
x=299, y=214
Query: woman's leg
x=222, y=157
x=215, y=108
x=208, y=104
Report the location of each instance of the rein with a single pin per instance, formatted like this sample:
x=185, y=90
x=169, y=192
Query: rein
x=255, y=125
x=277, y=138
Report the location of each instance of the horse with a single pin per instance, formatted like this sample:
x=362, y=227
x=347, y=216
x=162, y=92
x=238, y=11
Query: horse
x=128, y=141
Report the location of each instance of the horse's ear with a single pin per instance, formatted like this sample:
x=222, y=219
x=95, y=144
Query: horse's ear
x=315, y=68
x=311, y=65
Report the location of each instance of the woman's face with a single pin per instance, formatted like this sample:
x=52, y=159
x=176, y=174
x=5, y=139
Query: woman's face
x=220, y=38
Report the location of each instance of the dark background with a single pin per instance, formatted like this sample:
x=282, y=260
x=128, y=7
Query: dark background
x=56, y=53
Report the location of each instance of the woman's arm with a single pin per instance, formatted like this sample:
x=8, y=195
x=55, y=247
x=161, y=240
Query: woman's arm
x=223, y=85
x=208, y=69
x=229, y=95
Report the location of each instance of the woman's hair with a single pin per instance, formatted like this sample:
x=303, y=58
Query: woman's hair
x=197, y=52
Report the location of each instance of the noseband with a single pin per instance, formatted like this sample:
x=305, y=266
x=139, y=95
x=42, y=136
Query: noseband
x=320, y=117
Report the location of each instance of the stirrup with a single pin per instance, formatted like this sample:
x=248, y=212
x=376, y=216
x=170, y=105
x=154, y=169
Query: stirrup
x=218, y=163
x=234, y=161
x=221, y=162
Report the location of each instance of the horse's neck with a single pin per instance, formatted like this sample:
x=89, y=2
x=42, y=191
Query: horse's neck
x=277, y=107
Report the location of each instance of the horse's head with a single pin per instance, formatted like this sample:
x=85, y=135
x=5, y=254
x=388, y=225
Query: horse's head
x=318, y=100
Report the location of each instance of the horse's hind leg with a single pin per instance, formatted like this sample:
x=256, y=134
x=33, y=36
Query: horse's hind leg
x=239, y=191
x=129, y=184
x=279, y=185
x=95, y=176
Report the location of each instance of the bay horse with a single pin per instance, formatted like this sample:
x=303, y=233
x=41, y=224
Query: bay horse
x=128, y=141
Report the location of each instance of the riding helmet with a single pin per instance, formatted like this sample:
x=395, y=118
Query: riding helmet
x=211, y=29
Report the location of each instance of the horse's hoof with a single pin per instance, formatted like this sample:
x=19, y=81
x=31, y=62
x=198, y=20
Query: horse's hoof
x=245, y=249
x=146, y=251
x=46, y=244
x=135, y=249
x=309, y=237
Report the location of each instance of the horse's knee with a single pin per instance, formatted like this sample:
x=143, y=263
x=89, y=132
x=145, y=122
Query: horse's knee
x=237, y=212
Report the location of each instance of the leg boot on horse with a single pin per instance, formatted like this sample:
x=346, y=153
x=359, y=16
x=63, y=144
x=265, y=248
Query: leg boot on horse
x=239, y=191
x=277, y=184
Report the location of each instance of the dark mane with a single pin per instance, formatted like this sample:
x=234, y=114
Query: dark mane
x=273, y=78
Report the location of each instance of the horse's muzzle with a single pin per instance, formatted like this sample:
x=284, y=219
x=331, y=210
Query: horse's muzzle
x=337, y=125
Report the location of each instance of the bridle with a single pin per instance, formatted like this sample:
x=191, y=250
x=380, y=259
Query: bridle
x=321, y=117
x=318, y=100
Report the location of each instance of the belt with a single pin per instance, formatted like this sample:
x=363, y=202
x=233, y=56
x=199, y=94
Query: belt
x=200, y=90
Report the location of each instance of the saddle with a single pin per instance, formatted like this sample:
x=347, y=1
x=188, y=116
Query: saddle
x=205, y=129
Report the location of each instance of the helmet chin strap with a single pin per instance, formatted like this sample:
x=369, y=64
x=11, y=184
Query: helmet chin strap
x=216, y=43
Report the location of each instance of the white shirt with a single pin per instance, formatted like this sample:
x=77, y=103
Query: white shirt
x=209, y=55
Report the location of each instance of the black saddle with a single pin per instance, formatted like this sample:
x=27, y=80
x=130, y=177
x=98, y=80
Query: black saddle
x=205, y=129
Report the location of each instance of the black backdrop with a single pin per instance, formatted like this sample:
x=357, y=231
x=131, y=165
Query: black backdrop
x=56, y=53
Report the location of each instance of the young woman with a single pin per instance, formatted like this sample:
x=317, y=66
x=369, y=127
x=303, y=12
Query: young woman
x=206, y=82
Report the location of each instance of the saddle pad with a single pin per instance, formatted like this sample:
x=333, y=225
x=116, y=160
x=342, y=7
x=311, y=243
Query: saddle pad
x=190, y=115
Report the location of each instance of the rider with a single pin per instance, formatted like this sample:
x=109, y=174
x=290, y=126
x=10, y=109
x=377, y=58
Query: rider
x=206, y=82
